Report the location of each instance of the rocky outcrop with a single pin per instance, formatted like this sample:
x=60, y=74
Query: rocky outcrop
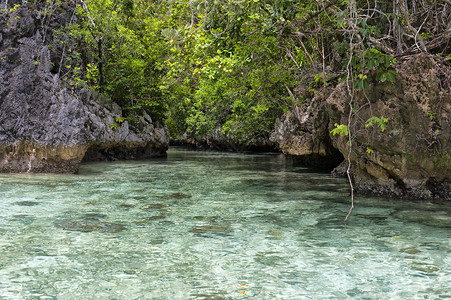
x=45, y=127
x=410, y=158
x=110, y=140
x=304, y=135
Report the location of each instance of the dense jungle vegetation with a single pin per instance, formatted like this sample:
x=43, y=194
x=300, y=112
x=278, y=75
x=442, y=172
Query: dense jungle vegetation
x=236, y=65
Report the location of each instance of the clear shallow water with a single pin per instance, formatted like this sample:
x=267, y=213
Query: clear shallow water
x=202, y=225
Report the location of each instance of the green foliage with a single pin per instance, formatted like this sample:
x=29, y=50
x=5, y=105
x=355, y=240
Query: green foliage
x=379, y=122
x=432, y=116
x=319, y=79
x=340, y=129
x=117, y=49
x=92, y=75
x=11, y=11
x=372, y=63
x=118, y=121
x=14, y=8
x=369, y=150
x=232, y=66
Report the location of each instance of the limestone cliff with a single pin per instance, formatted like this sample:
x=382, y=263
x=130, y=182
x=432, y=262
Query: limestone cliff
x=410, y=158
x=304, y=134
x=45, y=127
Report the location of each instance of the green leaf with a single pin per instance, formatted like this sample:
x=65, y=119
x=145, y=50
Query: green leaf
x=390, y=77
x=387, y=61
x=340, y=129
x=380, y=122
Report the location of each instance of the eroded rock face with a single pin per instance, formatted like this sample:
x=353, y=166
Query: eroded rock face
x=304, y=135
x=410, y=158
x=145, y=140
x=46, y=128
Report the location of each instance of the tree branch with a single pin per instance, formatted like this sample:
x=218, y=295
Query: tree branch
x=405, y=14
x=109, y=18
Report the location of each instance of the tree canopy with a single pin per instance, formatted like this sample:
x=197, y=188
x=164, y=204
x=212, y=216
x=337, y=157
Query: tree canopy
x=238, y=65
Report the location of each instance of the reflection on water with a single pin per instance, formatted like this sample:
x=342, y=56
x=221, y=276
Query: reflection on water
x=201, y=225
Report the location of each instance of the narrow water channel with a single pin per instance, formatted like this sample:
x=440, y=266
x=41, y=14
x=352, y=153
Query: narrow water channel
x=208, y=225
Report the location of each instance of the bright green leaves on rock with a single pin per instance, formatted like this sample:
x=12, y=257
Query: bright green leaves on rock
x=340, y=129
x=379, y=122
x=371, y=64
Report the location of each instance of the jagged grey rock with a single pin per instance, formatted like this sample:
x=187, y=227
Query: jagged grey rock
x=44, y=127
x=303, y=133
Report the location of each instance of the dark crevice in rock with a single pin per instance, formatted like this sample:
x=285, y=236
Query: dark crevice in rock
x=122, y=153
x=440, y=188
x=326, y=163
x=233, y=147
x=217, y=141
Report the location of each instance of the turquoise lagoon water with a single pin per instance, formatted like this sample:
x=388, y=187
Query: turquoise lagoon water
x=208, y=225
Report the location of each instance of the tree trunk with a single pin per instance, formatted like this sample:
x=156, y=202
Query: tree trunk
x=101, y=80
x=397, y=29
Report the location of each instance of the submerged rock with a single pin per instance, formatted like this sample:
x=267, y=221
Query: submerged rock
x=153, y=218
x=89, y=225
x=410, y=250
x=431, y=218
x=149, y=220
x=26, y=203
x=126, y=206
x=176, y=195
x=203, y=230
x=44, y=126
x=155, y=206
x=23, y=219
x=424, y=267
x=94, y=216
